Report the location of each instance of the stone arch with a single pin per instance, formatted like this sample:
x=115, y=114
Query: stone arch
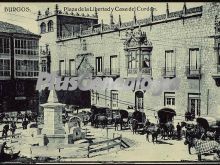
x=43, y=27
x=50, y=26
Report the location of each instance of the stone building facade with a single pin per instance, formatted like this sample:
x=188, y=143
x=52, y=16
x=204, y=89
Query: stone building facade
x=180, y=47
x=19, y=67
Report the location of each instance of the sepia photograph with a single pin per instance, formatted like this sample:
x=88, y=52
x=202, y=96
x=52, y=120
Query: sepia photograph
x=109, y=82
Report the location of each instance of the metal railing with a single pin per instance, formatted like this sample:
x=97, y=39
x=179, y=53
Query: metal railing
x=193, y=71
x=112, y=71
x=132, y=70
x=169, y=71
x=146, y=71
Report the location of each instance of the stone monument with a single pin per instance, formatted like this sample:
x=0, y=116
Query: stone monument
x=53, y=129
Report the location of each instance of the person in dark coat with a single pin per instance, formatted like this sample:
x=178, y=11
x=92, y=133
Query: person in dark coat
x=4, y=156
x=13, y=128
x=178, y=127
x=5, y=131
x=24, y=124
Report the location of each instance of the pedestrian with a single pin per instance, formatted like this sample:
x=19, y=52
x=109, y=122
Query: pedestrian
x=5, y=131
x=178, y=127
x=13, y=128
x=24, y=124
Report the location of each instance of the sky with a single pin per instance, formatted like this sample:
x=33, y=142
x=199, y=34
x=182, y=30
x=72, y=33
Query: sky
x=26, y=13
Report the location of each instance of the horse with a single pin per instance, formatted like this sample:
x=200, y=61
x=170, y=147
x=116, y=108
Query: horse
x=117, y=120
x=154, y=130
x=191, y=134
x=100, y=120
x=167, y=130
x=134, y=126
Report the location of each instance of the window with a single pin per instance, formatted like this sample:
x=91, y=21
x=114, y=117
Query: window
x=139, y=99
x=62, y=67
x=44, y=66
x=146, y=60
x=4, y=45
x=72, y=66
x=169, y=99
x=26, y=47
x=114, y=65
x=27, y=68
x=98, y=64
x=114, y=99
x=50, y=26
x=43, y=27
x=194, y=104
x=169, y=60
x=19, y=88
x=132, y=59
x=194, y=59
x=5, y=67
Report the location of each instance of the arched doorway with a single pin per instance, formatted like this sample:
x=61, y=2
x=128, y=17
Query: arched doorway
x=139, y=100
x=166, y=115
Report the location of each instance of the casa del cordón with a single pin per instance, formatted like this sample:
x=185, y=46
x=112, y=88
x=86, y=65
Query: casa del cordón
x=181, y=44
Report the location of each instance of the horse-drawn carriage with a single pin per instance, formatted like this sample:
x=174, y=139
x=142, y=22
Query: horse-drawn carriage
x=204, y=136
x=211, y=126
x=105, y=116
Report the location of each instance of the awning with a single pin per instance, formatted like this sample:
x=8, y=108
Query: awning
x=207, y=121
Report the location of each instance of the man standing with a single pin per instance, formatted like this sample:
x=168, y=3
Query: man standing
x=178, y=127
x=13, y=128
x=5, y=131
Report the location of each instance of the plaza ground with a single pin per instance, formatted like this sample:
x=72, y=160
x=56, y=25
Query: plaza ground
x=139, y=150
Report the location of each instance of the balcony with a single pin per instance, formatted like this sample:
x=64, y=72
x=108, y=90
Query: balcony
x=146, y=71
x=5, y=74
x=112, y=71
x=216, y=76
x=26, y=74
x=66, y=73
x=132, y=70
x=193, y=72
x=169, y=72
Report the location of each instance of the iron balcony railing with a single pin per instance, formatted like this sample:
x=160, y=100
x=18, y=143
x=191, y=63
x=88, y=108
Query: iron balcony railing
x=146, y=71
x=112, y=71
x=169, y=71
x=143, y=71
x=66, y=73
x=193, y=71
x=132, y=70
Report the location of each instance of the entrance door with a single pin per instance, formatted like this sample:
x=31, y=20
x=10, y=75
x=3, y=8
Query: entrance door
x=139, y=100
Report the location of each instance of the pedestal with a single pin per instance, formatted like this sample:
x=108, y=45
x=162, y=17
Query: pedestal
x=53, y=123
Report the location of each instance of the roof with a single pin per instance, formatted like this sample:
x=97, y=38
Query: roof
x=11, y=28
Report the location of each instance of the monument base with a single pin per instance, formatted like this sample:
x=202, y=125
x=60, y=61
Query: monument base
x=57, y=139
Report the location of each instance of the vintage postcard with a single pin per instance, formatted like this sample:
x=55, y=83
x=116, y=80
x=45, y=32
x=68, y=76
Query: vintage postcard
x=104, y=82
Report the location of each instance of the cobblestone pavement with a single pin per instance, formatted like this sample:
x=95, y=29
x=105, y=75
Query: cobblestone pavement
x=139, y=150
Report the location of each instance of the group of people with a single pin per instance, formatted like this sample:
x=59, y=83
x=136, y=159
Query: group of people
x=6, y=128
